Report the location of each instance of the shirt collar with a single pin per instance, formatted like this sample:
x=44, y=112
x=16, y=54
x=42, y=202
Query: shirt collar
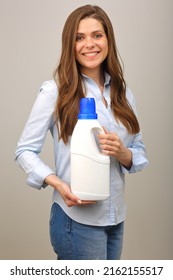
x=107, y=78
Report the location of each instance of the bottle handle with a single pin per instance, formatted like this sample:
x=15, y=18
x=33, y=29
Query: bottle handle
x=94, y=132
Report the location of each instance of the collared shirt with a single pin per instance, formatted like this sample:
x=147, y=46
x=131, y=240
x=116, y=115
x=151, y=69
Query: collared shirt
x=41, y=120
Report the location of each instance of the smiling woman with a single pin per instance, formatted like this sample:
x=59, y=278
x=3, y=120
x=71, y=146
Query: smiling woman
x=91, y=48
x=82, y=229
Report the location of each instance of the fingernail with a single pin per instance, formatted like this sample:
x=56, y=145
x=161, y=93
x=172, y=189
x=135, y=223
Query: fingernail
x=79, y=201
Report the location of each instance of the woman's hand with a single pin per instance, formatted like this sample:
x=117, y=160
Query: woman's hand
x=112, y=145
x=69, y=198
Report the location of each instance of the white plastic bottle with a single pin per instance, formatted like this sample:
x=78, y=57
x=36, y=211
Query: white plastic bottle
x=90, y=169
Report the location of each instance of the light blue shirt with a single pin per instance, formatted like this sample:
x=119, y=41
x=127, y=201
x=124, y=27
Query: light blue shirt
x=41, y=120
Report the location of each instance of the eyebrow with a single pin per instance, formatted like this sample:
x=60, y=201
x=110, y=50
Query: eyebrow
x=81, y=33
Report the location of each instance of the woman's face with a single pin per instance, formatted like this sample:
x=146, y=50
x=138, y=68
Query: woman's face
x=91, y=45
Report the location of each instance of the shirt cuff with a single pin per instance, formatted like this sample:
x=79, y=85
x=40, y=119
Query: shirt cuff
x=139, y=162
x=37, y=177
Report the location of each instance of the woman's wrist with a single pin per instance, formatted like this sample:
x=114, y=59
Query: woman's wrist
x=126, y=158
x=54, y=181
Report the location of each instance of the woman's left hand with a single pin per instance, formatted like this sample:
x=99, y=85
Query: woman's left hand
x=111, y=145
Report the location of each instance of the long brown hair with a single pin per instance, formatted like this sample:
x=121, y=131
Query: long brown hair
x=69, y=80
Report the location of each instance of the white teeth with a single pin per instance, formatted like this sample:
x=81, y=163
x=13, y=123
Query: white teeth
x=90, y=54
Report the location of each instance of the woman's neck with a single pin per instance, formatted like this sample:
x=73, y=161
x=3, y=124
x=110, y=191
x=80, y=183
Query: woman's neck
x=96, y=75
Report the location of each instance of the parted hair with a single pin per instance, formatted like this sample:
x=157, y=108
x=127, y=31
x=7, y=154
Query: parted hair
x=68, y=77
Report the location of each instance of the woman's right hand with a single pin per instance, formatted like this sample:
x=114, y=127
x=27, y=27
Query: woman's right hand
x=69, y=198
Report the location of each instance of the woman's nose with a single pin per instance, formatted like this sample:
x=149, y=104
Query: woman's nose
x=90, y=42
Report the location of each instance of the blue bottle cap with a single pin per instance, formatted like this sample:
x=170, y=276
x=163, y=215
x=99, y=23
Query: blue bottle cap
x=87, y=109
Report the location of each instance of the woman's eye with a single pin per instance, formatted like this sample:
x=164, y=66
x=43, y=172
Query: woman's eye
x=97, y=36
x=79, y=38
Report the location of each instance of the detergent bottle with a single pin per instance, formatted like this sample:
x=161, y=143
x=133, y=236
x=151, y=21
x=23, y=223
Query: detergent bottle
x=90, y=169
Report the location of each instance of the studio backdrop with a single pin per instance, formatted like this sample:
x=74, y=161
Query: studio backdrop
x=30, y=48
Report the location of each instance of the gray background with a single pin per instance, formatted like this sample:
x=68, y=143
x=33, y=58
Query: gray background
x=30, y=46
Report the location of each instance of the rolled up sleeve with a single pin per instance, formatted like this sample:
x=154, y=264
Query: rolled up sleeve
x=36, y=169
x=139, y=160
x=33, y=137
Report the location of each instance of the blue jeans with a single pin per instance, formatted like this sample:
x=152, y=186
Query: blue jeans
x=75, y=241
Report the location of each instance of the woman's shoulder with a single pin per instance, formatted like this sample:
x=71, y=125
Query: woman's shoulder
x=129, y=94
x=47, y=93
x=49, y=87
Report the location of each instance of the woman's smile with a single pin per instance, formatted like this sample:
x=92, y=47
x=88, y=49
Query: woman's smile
x=90, y=54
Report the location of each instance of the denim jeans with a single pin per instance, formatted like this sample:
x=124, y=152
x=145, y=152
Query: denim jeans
x=75, y=241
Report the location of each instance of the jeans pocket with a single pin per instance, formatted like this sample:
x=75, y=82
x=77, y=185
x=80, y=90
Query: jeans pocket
x=53, y=213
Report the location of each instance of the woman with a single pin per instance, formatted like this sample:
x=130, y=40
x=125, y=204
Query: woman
x=89, y=67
